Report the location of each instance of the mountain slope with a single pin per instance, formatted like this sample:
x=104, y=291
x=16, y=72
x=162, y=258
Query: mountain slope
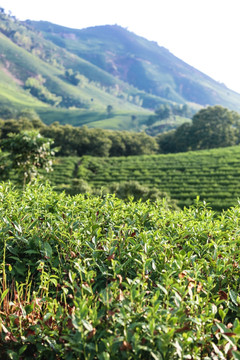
x=33, y=74
x=103, y=76
x=141, y=63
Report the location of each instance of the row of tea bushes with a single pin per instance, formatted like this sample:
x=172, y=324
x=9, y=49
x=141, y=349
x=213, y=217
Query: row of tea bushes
x=98, y=278
x=214, y=175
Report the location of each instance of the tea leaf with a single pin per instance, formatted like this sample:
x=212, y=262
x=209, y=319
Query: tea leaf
x=87, y=325
x=233, y=297
x=4, y=294
x=236, y=355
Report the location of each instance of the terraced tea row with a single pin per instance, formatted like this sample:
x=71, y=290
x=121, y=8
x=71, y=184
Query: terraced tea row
x=214, y=175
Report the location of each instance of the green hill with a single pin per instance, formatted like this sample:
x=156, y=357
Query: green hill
x=35, y=73
x=141, y=63
x=74, y=76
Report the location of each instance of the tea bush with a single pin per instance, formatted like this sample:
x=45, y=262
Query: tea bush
x=99, y=278
x=211, y=174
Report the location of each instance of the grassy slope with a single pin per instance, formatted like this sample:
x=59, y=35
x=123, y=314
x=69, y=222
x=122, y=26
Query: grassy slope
x=23, y=64
x=8, y=90
x=11, y=91
x=214, y=175
x=18, y=64
x=96, y=93
x=142, y=63
x=119, y=120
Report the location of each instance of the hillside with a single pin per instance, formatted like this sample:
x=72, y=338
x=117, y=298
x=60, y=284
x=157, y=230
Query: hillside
x=37, y=74
x=74, y=76
x=141, y=63
x=211, y=174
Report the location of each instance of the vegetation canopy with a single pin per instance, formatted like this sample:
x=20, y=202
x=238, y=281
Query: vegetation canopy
x=28, y=152
x=93, y=278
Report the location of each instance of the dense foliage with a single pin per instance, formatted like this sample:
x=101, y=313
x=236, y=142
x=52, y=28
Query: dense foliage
x=36, y=87
x=28, y=152
x=212, y=127
x=167, y=117
x=93, y=278
x=82, y=140
x=211, y=174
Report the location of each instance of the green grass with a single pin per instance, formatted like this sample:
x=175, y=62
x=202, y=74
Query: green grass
x=22, y=64
x=19, y=64
x=99, y=278
x=141, y=63
x=12, y=94
x=214, y=175
x=122, y=121
x=119, y=120
x=139, y=66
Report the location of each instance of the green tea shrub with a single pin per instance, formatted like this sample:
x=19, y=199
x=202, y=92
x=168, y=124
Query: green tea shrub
x=79, y=186
x=182, y=176
x=99, y=278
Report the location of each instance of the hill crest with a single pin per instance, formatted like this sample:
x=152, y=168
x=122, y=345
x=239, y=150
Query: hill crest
x=141, y=63
x=70, y=74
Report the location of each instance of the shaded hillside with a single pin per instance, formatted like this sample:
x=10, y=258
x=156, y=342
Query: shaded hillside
x=141, y=63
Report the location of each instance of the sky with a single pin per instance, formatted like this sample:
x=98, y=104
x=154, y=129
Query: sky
x=203, y=33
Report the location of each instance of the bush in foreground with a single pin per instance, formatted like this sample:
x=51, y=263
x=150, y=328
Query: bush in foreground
x=92, y=278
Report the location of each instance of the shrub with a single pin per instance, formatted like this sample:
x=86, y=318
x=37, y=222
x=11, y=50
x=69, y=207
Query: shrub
x=99, y=278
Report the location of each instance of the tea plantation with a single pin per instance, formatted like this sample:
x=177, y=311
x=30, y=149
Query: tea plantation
x=214, y=175
x=98, y=278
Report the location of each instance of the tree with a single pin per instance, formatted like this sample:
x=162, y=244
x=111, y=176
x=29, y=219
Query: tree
x=186, y=111
x=32, y=117
x=134, y=189
x=79, y=186
x=7, y=112
x=37, y=89
x=28, y=152
x=183, y=137
x=166, y=142
x=118, y=147
x=164, y=111
x=139, y=144
x=109, y=110
x=75, y=78
x=214, y=127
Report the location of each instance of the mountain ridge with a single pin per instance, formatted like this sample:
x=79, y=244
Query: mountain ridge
x=184, y=82
x=69, y=75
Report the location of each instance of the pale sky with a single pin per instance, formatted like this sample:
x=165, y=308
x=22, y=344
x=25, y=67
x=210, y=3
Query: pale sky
x=203, y=33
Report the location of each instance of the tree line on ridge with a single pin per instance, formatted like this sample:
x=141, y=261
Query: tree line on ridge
x=211, y=127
